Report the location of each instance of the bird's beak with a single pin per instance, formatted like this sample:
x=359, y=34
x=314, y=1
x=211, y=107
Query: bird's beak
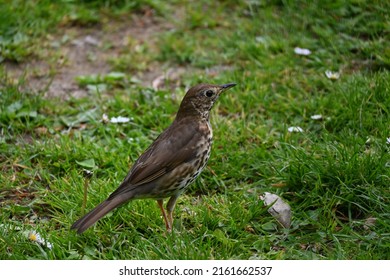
x=227, y=86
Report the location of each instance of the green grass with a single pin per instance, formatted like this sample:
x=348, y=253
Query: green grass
x=335, y=174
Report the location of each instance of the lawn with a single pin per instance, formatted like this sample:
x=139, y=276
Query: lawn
x=309, y=120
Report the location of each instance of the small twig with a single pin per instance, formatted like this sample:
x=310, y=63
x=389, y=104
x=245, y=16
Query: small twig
x=86, y=185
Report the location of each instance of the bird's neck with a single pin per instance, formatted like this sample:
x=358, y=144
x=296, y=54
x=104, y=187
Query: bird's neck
x=191, y=110
x=199, y=117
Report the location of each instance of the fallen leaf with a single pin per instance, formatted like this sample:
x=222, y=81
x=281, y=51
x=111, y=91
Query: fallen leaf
x=88, y=163
x=158, y=82
x=41, y=130
x=369, y=223
x=279, y=209
x=279, y=185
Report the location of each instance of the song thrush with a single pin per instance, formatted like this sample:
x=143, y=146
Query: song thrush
x=172, y=161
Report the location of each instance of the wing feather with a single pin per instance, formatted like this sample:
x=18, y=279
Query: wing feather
x=176, y=145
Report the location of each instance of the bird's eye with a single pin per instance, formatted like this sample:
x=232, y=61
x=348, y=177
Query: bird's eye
x=209, y=93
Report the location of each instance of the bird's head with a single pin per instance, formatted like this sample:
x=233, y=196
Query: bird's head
x=199, y=100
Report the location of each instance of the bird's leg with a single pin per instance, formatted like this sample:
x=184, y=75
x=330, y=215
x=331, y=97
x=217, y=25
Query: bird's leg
x=168, y=225
x=171, y=207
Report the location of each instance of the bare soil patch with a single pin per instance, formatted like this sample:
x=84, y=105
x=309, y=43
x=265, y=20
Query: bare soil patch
x=75, y=51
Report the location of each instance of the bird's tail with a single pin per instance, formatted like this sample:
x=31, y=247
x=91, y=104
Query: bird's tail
x=97, y=213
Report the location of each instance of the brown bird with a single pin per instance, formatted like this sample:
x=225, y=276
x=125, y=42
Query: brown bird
x=173, y=160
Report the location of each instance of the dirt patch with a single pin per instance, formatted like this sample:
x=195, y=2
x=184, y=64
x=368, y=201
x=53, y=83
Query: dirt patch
x=77, y=51
x=18, y=196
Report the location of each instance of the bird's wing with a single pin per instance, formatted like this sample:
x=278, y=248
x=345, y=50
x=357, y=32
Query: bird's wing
x=174, y=146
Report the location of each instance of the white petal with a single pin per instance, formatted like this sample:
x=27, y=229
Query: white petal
x=332, y=75
x=301, y=51
x=295, y=129
x=105, y=118
x=261, y=39
x=119, y=119
x=35, y=236
x=316, y=117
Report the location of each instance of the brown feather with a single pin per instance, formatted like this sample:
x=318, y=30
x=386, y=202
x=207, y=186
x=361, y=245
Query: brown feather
x=97, y=213
x=159, y=159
